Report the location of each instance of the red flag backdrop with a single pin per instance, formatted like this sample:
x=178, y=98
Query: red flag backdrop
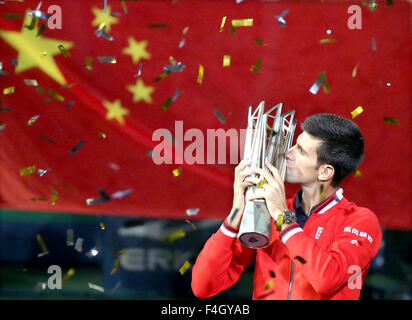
x=149, y=32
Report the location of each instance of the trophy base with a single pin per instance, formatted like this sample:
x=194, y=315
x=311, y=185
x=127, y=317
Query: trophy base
x=254, y=240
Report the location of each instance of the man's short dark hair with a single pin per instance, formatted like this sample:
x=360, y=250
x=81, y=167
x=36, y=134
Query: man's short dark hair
x=342, y=143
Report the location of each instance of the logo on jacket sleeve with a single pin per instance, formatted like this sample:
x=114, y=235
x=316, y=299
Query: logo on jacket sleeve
x=318, y=232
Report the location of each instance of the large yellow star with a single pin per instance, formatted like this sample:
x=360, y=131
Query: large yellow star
x=115, y=110
x=137, y=49
x=141, y=92
x=101, y=17
x=35, y=51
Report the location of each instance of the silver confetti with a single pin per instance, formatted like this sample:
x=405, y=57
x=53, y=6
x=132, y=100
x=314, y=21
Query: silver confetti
x=31, y=82
x=219, y=116
x=79, y=245
x=192, y=212
x=69, y=238
x=139, y=72
x=316, y=86
x=280, y=19
x=174, y=68
x=107, y=59
x=121, y=194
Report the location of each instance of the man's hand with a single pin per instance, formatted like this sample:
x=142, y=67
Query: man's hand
x=273, y=191
x=239, y=188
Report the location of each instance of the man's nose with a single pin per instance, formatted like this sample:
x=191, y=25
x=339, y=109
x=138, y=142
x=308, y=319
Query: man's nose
x=289, y=153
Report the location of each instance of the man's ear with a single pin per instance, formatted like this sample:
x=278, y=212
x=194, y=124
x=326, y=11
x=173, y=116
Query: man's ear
x=326, y=172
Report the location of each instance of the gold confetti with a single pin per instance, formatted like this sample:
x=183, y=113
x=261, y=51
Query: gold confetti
x=166, y=104
x=8, y=90
x=27, y=171
x=88, y=61
x=38, y=199
x=50, y=140
x=391, y=120
x=184, y=267
x=324, y=81
x=226, y=60
x=102, y=135
x=176, y=235
x=269, y=284
x=54, y=196
x=258, y=41
x=43, y=53
x=33, y=23
x=242, y=22
x=355, y=71
x=102, y=226
x=357, y=111
x=11, y=15
x=42, y=245
x=177, y=172
x=257, y=66
x=55, y=95
x=115, y=265
x=64, y=51
x=41, y=30
x=261, y=183
x=119, y=253
x=200, y=74
x=322, y=192
x=32, y=120
x=98, y=288
x=327, y=40
x=68, y=275
x=357, y=173
x=222, y=24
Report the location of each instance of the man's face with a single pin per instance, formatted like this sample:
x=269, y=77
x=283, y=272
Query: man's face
x=302, y=160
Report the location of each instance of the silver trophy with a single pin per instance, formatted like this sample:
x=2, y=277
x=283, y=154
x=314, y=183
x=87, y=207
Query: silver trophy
x=264, y=142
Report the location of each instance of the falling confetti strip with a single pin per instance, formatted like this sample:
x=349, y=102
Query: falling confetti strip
x=322, y=80
x=219, y=116
x=8, y=90
x=242, y=22
x=177, y=172
x=357, y=111
x=31, y=82
x=55, y=95
x=322, y=41
x=200, y=74
x=64, y=51
x=184, y=267
x=77, y=147
x=11, y=15
x=355, y=71
x=79, y=245
x=391, y=120
x=95, y=287
x=42, y=245
x=269, y=284
x=68, y=275
x=32, y=120
x=27, y=171
x=226, y=60
x=222, y=24
x=281, y=19
x=256, y=67
x=107, y=59
x=115, y=265
x=161, y=25
x=47, y=139
x=88, y=61
x=357, y=173
x=192, y=212
x=69, y=237
x=54, y=196
x=258, y=41
x=175, y=236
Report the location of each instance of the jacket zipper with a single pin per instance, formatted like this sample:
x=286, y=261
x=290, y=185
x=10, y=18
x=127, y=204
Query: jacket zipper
x=291, y=280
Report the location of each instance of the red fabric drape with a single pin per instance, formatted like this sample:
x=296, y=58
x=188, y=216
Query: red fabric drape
x=292, y=59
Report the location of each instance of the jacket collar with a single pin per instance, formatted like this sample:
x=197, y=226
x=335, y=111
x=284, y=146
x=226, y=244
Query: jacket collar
x=322, y=206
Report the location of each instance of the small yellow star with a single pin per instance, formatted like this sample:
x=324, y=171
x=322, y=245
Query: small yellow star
x=137, y=49
x=101, y=17
x=141, y=92
x=115, y=110
x=31, y=50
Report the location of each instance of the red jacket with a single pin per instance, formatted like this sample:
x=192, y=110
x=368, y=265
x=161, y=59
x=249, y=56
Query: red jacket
x=326, y=259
